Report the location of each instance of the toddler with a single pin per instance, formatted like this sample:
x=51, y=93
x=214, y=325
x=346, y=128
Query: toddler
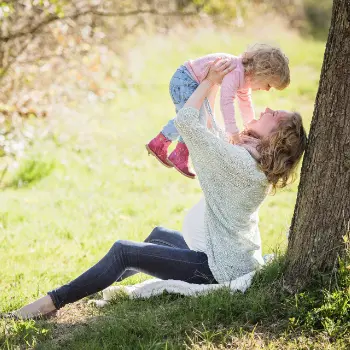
x=261, y=67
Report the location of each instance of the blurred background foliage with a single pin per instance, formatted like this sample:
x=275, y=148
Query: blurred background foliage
x=55, y=52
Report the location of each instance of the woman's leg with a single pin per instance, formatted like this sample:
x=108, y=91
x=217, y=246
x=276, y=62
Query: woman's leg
x=161, y=236
x=159, y=261
x=158, y=236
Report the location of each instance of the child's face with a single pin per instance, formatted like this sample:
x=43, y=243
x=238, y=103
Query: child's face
x=259, y=85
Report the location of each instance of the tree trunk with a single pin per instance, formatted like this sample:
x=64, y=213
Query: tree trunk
x=322, y=213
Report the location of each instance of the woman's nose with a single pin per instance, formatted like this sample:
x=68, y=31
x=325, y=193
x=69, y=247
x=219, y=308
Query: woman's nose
x=268, y=110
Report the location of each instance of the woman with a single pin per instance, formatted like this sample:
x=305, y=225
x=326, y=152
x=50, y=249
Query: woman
x=220, y=239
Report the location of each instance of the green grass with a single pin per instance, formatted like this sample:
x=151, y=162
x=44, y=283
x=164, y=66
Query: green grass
x=89, y=182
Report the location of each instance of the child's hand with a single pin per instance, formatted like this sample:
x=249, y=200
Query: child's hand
x=235, y=139
x=250, y=144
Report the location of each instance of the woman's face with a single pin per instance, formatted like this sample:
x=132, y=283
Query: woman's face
x=268, y=122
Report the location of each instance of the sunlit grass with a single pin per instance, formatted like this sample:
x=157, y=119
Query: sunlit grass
x=94, y=182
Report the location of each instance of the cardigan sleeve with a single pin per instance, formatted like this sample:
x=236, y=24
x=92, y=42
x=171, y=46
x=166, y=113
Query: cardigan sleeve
x=217, y=162
x=222, y=168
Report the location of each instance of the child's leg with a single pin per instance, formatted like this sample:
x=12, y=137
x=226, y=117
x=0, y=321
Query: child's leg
x=169, y=130
x=181, y=88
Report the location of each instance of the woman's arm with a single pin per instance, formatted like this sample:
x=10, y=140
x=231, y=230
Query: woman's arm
x=212, y=157
x=214, y=78
x=211, y=98
x=197, y=98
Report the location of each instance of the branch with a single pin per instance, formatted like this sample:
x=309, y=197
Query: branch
x=11, y=62
x=38, y=26
x=54, y=18
x=138, y=12
x=41, y=58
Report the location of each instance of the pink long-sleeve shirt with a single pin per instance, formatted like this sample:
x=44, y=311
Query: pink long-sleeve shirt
x=232, y=86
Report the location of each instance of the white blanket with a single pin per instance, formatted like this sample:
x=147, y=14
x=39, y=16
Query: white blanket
x=155, y=286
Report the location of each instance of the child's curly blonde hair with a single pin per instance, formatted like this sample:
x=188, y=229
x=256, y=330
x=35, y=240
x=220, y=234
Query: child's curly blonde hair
x=266, y=63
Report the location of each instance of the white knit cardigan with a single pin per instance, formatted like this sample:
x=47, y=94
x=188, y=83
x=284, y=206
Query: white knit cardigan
x=234, y=188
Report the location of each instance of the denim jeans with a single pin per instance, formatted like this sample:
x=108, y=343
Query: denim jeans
x=164, y=255
x=182, y=86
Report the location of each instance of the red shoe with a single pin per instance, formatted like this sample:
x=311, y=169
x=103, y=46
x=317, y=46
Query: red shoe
x=179, y=160
x=158, y=147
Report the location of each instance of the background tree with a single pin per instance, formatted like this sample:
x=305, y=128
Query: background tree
x=55, y=51
x=321, y=218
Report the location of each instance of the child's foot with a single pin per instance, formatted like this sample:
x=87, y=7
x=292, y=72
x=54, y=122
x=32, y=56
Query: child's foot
x=179, y=159
x=158, y=147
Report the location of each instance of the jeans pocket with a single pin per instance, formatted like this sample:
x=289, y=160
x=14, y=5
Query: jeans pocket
x=175, y=93
x=181, y=90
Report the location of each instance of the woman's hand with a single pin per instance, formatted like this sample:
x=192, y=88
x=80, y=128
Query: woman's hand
x=218, y=69
x=232, y=63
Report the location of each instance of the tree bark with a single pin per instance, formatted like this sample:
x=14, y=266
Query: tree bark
x=322, y=213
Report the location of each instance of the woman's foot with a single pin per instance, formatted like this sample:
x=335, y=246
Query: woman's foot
x=179, y=159
x=42, y=308
x=15, y=317
x=158, y=147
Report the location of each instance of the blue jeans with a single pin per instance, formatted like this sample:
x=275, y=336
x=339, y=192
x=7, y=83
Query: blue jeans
x=164, y=255
x=182, y=86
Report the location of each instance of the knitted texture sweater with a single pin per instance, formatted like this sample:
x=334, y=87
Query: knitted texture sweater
x=234, y=188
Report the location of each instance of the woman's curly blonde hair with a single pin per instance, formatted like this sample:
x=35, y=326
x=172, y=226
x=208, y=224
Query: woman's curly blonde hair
x=281, y=152
x=266, y=63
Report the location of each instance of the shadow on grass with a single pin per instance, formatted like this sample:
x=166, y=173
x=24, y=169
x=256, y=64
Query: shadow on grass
x=256, y=319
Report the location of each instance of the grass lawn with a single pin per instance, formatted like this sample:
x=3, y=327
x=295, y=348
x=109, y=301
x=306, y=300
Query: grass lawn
x=89, y=182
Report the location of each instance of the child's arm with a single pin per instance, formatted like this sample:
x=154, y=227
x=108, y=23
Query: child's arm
x=246, y=105
x=229, y=88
